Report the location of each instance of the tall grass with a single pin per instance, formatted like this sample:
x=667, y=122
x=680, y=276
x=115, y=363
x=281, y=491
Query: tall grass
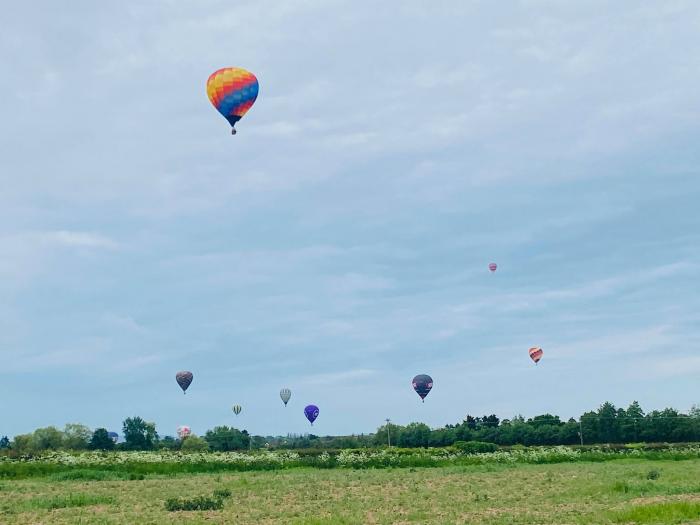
x=668, y=512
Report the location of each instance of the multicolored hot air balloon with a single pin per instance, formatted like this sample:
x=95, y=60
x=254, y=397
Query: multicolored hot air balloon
x=183, y=431
x=285, y=394
x=232, y=91
x=536, y=354
x=422, y=384
x=113, y=436
x=493, y=267
x=311, y=413
x=236, y=409
x=184, y=379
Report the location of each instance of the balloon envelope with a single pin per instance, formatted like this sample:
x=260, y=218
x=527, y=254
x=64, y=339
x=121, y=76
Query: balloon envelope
x=236, y=409
x=422, y=384
x=285, y=394
x=493, y=267
x=311, y=413
x=184, y=379
x=183, y=431
x=113, y=436
x=536, y=354
x=232, y=91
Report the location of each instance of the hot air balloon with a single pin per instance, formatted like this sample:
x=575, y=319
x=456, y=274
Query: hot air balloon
x=183, y=431
x=311, y=413
x=535, y=354
x=236, y=409
x=232, y=91
x=285, y=394
x=113, y=436
x=422, y=384
x=184, y=379
x=493, y=267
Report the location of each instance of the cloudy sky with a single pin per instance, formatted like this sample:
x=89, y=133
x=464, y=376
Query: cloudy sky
x=339, y=244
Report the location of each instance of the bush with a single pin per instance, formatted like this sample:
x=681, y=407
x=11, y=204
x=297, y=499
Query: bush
x=194, y=444
x=198, y=503
x=475, y=447
x=222, y=493
x=653, y=474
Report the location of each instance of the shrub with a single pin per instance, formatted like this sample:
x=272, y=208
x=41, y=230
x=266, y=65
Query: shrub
x=222, y=493
x=194, y=444
x=653, y=474
x=475, y=447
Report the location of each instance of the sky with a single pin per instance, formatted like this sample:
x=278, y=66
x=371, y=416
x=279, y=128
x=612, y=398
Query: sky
x=339, y=244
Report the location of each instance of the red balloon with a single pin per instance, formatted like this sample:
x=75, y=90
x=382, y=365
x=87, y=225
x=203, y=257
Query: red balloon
x=493, y=266
x=536, y=354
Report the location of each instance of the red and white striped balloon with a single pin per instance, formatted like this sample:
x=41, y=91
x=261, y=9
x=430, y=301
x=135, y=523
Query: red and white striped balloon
x=536, y=354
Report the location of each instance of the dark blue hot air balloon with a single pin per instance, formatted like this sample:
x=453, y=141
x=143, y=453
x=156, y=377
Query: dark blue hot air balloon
x=311, y=413
x=113, y=436
x=422, y=384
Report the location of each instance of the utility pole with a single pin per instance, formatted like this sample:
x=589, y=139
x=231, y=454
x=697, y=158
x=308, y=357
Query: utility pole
x=580, y=430
x=388, y=436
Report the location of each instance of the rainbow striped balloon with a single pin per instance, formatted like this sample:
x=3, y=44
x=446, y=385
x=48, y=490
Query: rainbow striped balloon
x=232, y=91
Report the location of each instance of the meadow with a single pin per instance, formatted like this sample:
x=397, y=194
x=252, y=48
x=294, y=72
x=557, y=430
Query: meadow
x=555, y=486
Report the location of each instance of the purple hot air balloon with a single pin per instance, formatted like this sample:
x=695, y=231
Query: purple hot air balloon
x=493, y=267
x=422, y=384
x=311, y=413
x=184, y=378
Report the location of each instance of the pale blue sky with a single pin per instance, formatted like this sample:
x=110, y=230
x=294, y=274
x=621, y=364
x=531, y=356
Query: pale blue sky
x=339, y=244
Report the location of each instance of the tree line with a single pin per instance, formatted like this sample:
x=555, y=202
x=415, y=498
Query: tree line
x=608, y=424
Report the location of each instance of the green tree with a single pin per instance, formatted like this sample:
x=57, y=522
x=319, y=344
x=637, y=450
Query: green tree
x=76, y=436
x=138, y=434
x=194, y=443
x=630, y=422
x=21, y=443
x=381, y=438
x=608, y=423
x=100, y=440
x=47, y=438
x=414, y=435
x=168, y=443
x=225, y=438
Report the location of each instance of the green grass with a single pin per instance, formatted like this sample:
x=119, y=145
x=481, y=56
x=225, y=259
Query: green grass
x=668, y=512
x=564, y=493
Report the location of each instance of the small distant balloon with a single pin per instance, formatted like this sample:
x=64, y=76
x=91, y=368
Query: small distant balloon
x=536, y=354
x=422, y=384
x=493, y=267
x=232, y=91
x=113, y=436
x=285, y=394
x=236, y=409
x=311, y=413
x=184, y=379
x=183, y=431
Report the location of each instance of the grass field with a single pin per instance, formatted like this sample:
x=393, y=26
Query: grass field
x=621, y=491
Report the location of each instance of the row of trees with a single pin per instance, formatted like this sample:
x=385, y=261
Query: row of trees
x=608, y=424
x=137, y=434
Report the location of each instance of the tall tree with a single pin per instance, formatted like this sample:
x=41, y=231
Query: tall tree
x=138, y=434
x=100, y=440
